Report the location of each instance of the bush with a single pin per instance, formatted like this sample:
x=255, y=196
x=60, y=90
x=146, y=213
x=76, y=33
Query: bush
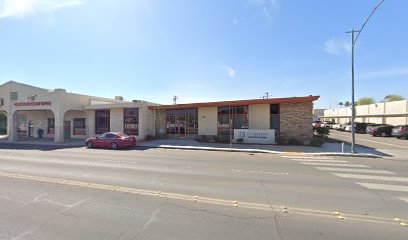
x=224, y=139
x=321, y=131
x=240, y=140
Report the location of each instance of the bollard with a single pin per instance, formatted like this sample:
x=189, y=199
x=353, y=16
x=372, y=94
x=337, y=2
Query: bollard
x=342, y=147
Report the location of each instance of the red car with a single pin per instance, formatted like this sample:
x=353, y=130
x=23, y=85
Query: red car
x=112, y=140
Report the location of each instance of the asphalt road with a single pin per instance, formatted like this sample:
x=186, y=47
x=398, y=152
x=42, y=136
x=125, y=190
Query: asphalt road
x=388, y=145
x=179, y=194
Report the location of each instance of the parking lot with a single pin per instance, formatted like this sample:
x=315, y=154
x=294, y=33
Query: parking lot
x=389, y=145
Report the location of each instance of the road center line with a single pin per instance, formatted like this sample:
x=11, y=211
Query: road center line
x=196, y=199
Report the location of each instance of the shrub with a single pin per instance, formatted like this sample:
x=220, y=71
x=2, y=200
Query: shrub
x=240, y=140
x=321, y=131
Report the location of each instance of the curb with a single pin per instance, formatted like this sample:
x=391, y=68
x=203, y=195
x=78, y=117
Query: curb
x=364, y=155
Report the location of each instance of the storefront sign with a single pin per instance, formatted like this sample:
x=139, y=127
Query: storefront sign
x=31, y=104
x=262, y=136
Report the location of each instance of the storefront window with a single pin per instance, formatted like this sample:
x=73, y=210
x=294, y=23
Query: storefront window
x=131, y=121
x=51, y=126
x=182, y=122
x=102, y=121
x=79, y=126
x=275, y=118
x=238, y=115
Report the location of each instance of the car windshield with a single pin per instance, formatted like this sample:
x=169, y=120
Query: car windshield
x=122, y=135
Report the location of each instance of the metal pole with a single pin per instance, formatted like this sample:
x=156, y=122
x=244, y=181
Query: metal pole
x=353, y=109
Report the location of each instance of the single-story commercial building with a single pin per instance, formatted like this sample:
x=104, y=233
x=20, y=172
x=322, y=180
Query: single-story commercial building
x=393, y=113
x=61, y=116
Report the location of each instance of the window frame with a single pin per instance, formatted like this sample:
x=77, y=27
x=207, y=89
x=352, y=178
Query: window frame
x=50, y=126
x=127, y=117
x=82, y=130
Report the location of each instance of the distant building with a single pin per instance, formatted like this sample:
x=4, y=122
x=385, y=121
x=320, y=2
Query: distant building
x=394, y=113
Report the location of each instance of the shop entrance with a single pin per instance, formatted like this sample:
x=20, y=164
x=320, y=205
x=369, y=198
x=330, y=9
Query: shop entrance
x=181, y=123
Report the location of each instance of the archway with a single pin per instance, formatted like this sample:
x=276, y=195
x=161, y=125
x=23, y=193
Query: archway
x=34, y=125
x=3, y=125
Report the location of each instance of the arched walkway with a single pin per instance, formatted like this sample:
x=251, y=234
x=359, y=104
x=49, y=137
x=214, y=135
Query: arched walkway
x=33, y=125
x=3, y=125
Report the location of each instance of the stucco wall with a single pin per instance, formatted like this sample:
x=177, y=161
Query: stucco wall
x=207, y=121
x=259, y=116
x=116, y=120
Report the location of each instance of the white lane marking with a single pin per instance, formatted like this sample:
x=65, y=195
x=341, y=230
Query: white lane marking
x=386, y=187
x=355, y=170
x=371, y=177
x=403, y=199
x=308, y=157
x=335, y=164
x=265, y=172
x=313, y=160
x=383, y=143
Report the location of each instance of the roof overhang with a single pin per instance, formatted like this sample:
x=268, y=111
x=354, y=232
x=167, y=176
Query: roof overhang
x=236, y=103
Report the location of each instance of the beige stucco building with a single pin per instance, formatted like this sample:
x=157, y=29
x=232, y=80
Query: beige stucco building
x=393, y=113
x=61, y=116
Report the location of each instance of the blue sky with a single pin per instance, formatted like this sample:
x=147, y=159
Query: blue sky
x=205, y=50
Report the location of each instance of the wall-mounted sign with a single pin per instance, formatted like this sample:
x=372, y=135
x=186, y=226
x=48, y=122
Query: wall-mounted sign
x=263, y=136
x=32, y=104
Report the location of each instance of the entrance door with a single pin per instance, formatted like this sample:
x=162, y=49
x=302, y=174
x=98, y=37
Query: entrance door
x=67, y=130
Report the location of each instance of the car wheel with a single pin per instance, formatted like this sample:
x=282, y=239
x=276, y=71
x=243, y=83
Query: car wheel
x=383, y=134
x=89, y=145
x=114, y=146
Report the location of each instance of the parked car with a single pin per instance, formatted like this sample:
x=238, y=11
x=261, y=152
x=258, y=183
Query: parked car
x=361, y=127
x=114, y=140
x=383, y=131
x=327, y=124
x=400, y=131
x=316, y=123
x=344, y=126
x=369, y=129
x=337, y=126
x=403, y=136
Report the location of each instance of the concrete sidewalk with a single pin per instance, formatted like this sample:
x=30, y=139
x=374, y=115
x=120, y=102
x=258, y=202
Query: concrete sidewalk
x=326, y=149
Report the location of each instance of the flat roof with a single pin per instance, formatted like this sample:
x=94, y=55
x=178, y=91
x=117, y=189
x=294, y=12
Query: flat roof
x=236, y=103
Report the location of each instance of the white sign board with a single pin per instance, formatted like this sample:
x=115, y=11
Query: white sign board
x=262, y=136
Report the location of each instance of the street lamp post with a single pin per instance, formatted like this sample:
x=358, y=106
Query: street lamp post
x=354, y=39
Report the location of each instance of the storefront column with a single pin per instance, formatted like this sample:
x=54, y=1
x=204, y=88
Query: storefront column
x=12, y=126
x=59, y=127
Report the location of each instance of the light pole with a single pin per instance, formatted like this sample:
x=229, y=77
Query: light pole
x=354, y=39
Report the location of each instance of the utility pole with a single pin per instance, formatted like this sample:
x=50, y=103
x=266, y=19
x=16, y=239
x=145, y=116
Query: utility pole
x=267, y=95
x=354, y=39
x=175, y=100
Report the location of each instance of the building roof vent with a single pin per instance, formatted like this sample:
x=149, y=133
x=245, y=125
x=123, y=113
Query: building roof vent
x=119, y=98
x=60, y=90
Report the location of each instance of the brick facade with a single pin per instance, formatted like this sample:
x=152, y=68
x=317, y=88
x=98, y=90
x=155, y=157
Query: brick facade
x=296, y=121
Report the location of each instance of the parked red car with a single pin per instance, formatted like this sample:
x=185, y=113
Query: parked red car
x=112, y=140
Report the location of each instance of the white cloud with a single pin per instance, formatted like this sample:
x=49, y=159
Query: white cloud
x=24, y=8
x=385, y=73
x=268, y=8
x=337, y=46
x=230, y=71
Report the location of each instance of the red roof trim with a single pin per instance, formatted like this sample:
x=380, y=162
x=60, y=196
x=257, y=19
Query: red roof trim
x=237, y=103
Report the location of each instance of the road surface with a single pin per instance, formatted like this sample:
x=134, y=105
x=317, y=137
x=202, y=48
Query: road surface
x=79, y=193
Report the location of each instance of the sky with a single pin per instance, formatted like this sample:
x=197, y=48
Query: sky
x=205, y=50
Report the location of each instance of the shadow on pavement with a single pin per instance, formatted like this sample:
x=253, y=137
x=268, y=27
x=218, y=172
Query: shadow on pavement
x=360, y=148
